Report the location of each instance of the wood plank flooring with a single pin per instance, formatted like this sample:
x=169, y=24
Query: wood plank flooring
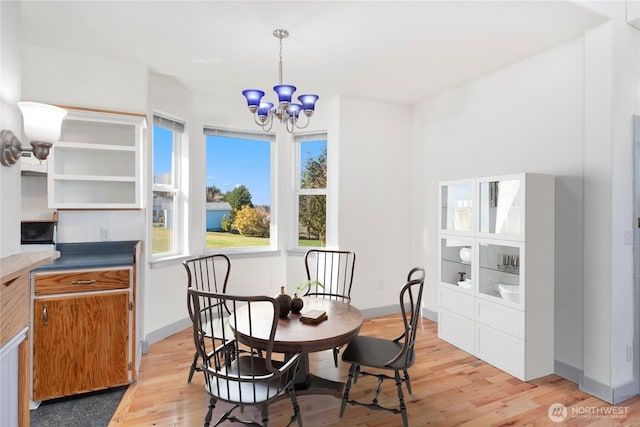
x=450, y=388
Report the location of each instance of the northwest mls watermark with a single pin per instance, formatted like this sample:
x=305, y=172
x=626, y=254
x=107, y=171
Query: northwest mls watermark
x=558, y=413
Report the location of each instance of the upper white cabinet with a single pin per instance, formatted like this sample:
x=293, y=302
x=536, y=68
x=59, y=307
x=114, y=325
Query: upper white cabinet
x=501, y=207
x=496, y=293
x=457, y=210
x=97, y=164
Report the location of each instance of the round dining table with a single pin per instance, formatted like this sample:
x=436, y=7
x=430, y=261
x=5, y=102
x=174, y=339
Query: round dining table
x=294, y=336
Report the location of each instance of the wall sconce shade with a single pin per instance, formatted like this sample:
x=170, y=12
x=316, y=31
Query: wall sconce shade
x=42, y=126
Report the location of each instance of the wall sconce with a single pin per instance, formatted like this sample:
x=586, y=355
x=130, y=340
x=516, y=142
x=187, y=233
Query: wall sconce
x=42, y=125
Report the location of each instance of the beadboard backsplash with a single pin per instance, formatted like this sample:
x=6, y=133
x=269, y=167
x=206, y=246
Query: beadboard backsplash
x=81, y=225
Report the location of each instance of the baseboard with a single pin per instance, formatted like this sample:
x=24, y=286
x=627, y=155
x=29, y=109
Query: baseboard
x=596, y=388
x=166, y=331
x=368, y=313
x=566, y=371
x=430, y=314
x=625, y=391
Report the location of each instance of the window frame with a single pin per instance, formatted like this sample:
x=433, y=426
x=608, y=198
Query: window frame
x=178, y=129
x=298, y=139
x=270, y=138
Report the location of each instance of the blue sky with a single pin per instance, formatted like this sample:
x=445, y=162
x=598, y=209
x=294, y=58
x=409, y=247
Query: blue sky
x=236, y=161
x=231, y=162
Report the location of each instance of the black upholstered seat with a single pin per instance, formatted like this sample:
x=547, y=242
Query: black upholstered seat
x=396, y=355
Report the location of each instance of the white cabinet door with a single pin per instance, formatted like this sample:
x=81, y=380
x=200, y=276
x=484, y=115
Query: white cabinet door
x=457, y=330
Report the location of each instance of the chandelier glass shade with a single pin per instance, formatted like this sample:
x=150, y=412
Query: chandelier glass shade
x=285, y=111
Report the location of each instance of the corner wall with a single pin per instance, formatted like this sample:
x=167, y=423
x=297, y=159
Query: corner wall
x=565, y=112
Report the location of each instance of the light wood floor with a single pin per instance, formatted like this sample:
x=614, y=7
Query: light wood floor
x=450, y=388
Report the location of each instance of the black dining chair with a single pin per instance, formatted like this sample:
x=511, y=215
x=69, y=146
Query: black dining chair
x=330, y=275
x=207, y=273
x=396, y=355
x=241, y=374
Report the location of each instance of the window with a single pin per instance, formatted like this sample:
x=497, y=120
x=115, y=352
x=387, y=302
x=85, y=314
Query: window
x=167, y=135
x=311, y=189
x=238, y=189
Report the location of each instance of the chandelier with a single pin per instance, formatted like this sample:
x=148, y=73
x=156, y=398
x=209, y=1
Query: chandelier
x=287, y=112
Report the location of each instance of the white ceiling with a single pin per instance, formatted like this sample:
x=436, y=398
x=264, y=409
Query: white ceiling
x=397, y=51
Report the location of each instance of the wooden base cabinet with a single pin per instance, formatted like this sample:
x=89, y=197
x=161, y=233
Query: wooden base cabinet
x=82, y=332
x=496, y=292
x=14, y=325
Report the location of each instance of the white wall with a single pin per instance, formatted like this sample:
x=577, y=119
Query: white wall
x=10, y=119
x=61, y=77
x=375, y=204
x=565, y=112
x=525, y=118
x=618, y=86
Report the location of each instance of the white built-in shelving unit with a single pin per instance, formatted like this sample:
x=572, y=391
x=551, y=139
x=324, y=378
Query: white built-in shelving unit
x=496, y=292
x=97, y=163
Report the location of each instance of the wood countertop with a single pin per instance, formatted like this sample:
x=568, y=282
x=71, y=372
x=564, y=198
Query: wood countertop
x=13, y=266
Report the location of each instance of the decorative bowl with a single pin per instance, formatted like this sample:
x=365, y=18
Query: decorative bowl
x=509, y=292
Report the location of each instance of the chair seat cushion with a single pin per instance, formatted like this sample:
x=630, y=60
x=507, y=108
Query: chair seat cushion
x=215, y=327
x=257, y=390
x=375, y=352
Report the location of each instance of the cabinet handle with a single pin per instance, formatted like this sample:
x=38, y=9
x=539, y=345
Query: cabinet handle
x=83, y=282
x=45, y=315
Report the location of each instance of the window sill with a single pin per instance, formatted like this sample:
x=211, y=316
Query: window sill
x=245, y=252
x=167, y=261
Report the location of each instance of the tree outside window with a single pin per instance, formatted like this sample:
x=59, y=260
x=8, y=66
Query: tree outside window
x=312, y=190
x=167, y=134
x=238, y=189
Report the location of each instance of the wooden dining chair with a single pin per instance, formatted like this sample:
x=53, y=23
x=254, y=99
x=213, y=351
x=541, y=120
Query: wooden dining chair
x=207, y=273
x=396, y=355
x=241, y=374
x=330, y=275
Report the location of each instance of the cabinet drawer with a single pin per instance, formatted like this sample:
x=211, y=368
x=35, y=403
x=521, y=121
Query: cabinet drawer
x=457, y=302
x=14, y=307
x=501, y=350
x=81, y=281
x=457, y=330
x=505, y=319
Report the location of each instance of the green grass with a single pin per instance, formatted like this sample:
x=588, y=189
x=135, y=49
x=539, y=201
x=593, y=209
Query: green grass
x=217, y=240
x=306, y=242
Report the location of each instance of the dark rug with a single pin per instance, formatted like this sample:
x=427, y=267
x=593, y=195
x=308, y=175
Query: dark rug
x=93, y=409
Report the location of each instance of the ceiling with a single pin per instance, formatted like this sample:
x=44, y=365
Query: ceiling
x=396, y=51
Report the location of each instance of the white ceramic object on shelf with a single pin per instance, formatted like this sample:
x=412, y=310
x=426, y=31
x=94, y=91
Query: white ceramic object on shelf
x=465, y=284
x=509, y=292
x=465, y=254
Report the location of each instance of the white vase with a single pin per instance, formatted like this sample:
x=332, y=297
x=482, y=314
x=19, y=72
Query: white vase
x=465, y=254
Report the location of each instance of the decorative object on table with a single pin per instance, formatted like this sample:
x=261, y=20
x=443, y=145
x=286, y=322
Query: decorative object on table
x=465, y=254
x=313, y=316
x=307, y=284
x=296, y=304
x=286, y=112
x=285, y=302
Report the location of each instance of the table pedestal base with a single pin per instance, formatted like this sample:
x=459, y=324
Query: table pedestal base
x=308, y=383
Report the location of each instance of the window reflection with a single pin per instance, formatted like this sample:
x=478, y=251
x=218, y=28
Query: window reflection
x=500, y=207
